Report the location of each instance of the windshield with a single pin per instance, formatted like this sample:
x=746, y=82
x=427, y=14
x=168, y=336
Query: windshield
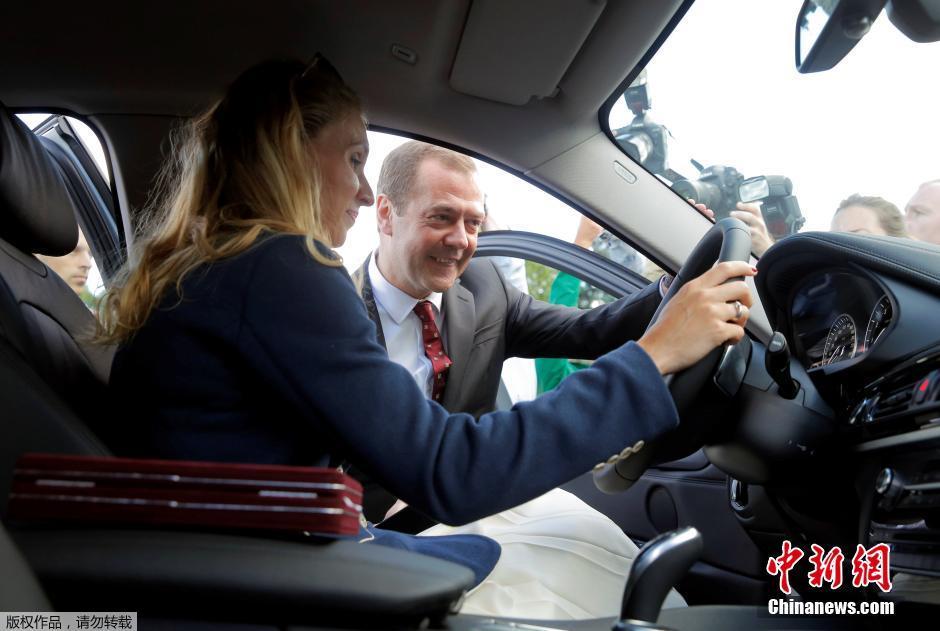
x=722, y=102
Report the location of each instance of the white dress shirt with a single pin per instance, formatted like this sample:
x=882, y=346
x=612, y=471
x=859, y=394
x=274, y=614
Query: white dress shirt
x=402, y=328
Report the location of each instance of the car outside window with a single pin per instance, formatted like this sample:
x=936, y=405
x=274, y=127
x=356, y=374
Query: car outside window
x=723, y=90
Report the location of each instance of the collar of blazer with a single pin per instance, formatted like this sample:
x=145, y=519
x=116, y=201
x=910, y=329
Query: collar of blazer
x=459, y=325
x=363, y=285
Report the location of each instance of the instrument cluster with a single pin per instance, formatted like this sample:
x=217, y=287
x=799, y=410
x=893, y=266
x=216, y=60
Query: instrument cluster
x=838, y=316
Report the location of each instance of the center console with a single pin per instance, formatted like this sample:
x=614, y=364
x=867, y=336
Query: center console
x=897, y=422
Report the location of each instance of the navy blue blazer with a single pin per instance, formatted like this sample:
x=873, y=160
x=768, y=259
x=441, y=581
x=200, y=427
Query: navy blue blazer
x=270, y=357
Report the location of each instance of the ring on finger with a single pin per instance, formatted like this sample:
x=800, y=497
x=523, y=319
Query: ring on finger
x=738, y=309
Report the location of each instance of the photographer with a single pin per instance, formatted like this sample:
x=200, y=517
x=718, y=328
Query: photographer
x=922, y=214
x=868, y=214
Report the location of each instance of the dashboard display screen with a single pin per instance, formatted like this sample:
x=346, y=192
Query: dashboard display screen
x=837, y=316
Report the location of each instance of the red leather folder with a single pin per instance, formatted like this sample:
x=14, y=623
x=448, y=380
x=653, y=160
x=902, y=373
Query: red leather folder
x=115, y=491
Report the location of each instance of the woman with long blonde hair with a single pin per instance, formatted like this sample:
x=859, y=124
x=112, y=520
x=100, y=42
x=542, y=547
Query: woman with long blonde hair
x=243, y=339
x=225, y=186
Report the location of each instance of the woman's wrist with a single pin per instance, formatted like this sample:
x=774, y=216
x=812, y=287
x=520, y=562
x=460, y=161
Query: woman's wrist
x=655, y=353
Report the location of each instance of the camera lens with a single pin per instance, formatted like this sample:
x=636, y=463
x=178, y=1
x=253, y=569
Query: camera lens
x=700, y=191
x=638, y=145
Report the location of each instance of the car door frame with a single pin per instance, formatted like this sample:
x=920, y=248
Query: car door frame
x=601, y=272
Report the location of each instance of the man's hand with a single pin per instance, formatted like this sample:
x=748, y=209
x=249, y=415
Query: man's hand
x=587, y=232
x=701, y=316
x=760, y=237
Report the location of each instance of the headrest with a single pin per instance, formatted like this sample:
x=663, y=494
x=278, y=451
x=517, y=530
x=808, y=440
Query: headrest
x=36, y=212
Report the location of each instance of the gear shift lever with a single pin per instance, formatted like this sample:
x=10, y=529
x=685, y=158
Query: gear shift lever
x=659, y=565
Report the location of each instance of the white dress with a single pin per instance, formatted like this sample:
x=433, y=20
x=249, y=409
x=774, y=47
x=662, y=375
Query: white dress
x=561, y=560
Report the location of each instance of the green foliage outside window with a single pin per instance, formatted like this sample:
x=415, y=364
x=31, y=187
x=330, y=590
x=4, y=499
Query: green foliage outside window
x=539, y=278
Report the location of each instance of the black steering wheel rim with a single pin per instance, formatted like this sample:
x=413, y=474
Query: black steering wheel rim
x=728, y=240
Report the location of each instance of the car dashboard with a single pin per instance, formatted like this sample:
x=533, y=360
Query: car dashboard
x=861, y=317
x=862, y=340
x=837, y=317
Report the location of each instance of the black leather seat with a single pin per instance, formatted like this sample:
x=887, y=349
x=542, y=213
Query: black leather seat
x=52, y=378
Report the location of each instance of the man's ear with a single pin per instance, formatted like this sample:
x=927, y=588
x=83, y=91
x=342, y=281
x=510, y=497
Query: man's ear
x=383, y=214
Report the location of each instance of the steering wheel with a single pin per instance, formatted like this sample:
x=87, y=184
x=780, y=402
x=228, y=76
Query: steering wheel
x=728, y=240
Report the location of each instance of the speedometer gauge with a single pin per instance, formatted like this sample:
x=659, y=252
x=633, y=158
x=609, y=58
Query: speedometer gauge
x=842, y=340
x=878, y=321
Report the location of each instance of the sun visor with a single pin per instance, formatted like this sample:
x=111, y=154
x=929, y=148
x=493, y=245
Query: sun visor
x=511, y=52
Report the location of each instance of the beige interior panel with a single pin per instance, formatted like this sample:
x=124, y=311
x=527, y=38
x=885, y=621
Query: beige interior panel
x=657, y=218
x=511, y=52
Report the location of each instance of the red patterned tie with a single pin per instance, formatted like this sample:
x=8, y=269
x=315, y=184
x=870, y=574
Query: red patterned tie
x=433, y=348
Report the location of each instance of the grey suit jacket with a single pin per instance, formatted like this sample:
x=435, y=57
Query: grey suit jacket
x=488, y=320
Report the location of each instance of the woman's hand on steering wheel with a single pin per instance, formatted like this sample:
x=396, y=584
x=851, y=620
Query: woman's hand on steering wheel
x=707, y=312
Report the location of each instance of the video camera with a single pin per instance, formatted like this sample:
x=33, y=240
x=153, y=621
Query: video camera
x=718, y=187
x=721, y=188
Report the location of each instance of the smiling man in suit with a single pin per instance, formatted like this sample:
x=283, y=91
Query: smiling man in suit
x=452, y=322
x=421, y=279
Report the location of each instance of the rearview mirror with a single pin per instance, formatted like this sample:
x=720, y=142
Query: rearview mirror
x=918, y=19
x=826, y=30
